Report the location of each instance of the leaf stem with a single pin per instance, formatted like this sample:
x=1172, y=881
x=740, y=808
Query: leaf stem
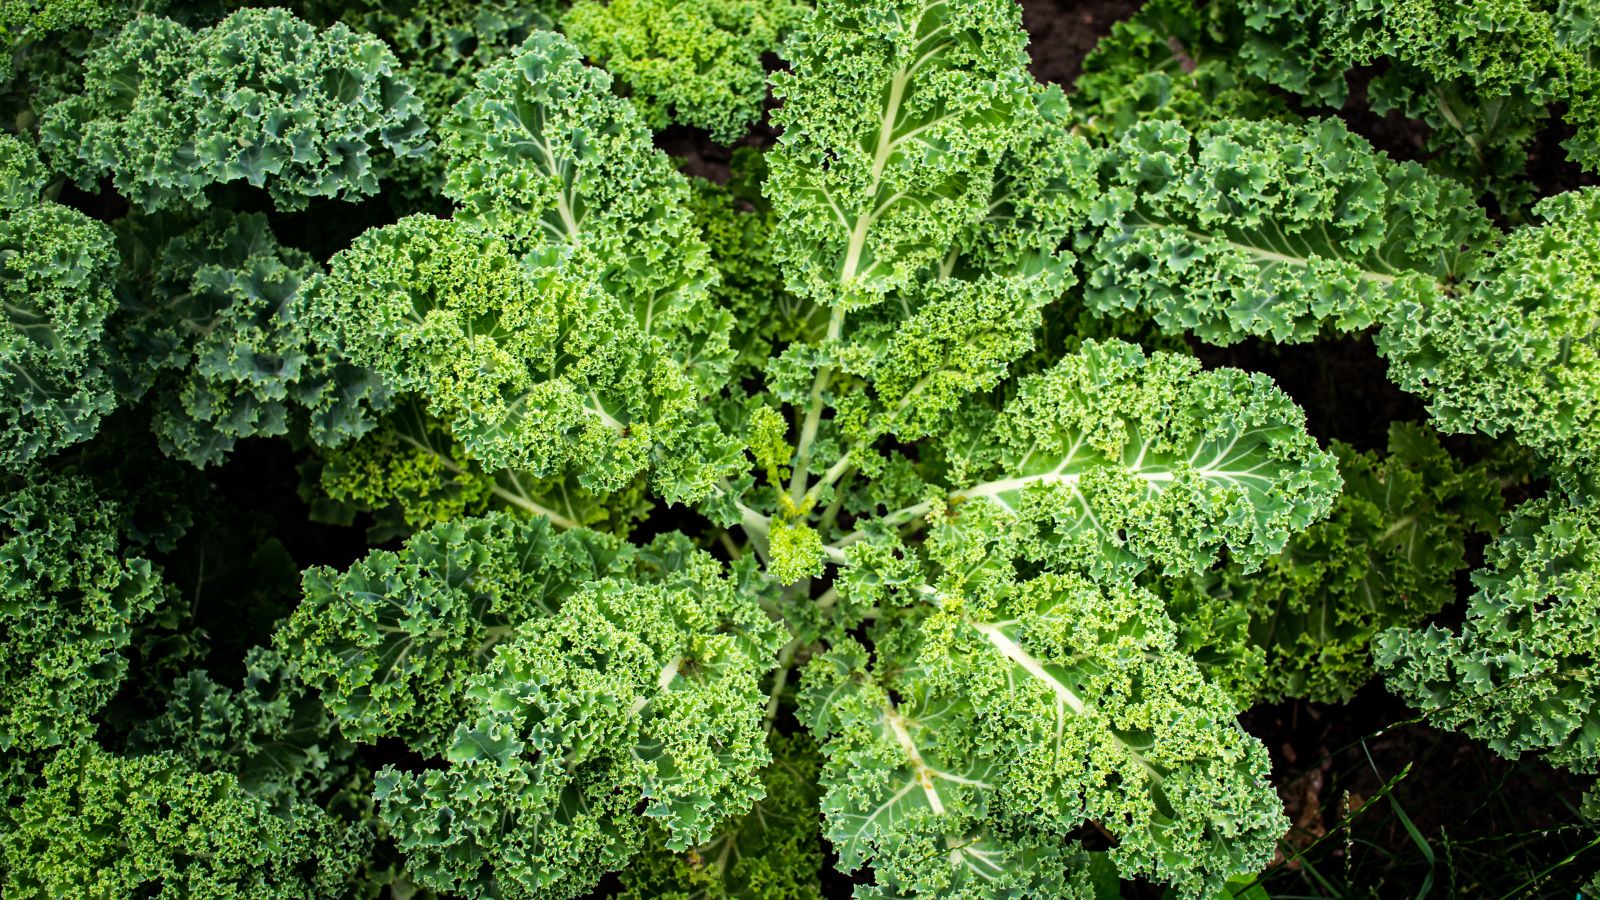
x=781, y=679
x=813, y=418
x=518, y=500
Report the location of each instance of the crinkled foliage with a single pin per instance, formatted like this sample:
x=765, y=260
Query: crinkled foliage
x=1482, y=75
x=392, y=642
x=107, y=826
x=542, y=154
x=411, y=472
x=213, y=319
x=57, y=271
x=1517, y=347
x=25, y=24
x=967, y=748
x=691, y=62
x=978, y=560
x=261, y=97
x=441, y=46
x=1165, y=64
x=894, y=113
x=69, y=600
x=633, y=697
x=558, y=324
x=1113, y=460
x=1386, y=556
x=533, y=366
x=1519, y=674
x=1262, y=229
x=774, y=850
x=272, y=733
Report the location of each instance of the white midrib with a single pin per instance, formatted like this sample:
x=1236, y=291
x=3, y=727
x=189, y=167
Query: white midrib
x=961, y=850
x=564, y=209
x=847, y=274
x=1065, y=696
x=563, y=201
x=663, y=681
x=1262, y=254
x=880, y=161
x=922, y=771
x=599, y=411
x=1013, y=651
x=1007, y=485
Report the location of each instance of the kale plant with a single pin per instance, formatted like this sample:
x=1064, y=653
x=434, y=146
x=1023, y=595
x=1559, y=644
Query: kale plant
x=880, y=504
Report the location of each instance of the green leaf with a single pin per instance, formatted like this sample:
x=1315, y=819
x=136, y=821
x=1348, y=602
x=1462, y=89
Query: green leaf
x=1517, y=348
x=774, y=850
x=69, y=601
x=392, y=642
x=985, y=729
x=631, y=695
x=1114, y=460
x=214, y=320
x=108, y=826
x=1387, y=556
x=894, y=112
x=542, y=154
x=694, y=63
x=57, y=268
x=1519, y=674
x=1265, y=229
x=533, y=367
x=261, y=97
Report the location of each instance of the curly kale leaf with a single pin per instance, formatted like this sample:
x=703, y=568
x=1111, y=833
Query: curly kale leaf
x=1386, y=556
x=993, y=720
x=532, y=366
x=22, y=177
x=636, y=695
x=69, y=602
x=543, y=155
x=1482, y=75
x=108, y=826
x=560, y=324
x=57, y=271
x=1167, y=64
x=902, y=364
x=1519, y=674
x=273, y=734
x=392, y=642
x=441, y=46
x=774, y=850
x=958, y=327
x=411, y=472
x=28, y=26
x=737, y=224
x=260, y=97
x=1114, y=460
x=894, y=114
x=1265, y=229
x=214, y=318
x=694, y=63
x=1517, y=348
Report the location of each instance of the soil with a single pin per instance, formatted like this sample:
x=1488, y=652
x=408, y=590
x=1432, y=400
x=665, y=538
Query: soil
x=1063, y=32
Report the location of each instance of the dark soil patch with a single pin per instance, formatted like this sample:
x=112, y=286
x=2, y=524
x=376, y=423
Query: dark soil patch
x=1063, y=32
x=1492, y=824
x=1341, y=382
